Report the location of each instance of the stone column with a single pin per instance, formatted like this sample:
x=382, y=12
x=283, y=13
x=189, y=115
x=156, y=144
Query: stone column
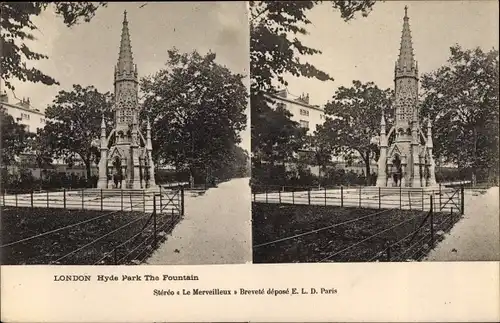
x=432, y=164
x=103, y=164
x=149, y=153
x=382, y=160
x=382, y=168
x=103, y=176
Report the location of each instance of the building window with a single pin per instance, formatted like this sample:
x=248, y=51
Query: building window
x=321, y=116
x=281, y=105
x=25, y=116
x=304, y=112
x=42, y=120
x=304, y=124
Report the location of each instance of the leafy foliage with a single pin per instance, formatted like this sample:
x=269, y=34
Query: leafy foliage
x=14, y=138
x=275, y=50
x=74, y=123
x=17, y=26
x=319, y=151
x=39, y=150
x=275, y=137
x=353, y=121
x=462, y=100
x=199, y=110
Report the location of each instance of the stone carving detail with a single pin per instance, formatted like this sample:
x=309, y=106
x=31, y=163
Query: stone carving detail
x=416, y=158
x=125, y=138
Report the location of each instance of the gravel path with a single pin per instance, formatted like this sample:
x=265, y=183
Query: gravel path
x=476, y=236
x=216, y=229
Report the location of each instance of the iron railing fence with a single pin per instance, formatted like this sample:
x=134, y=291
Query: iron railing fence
x=364, y=197
x=134, y=239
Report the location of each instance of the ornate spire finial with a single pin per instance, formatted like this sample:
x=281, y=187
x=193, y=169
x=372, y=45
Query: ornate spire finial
x=406, y=60
x=125, y=59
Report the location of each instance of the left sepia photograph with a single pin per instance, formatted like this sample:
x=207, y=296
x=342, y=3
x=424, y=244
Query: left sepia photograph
x=125, y=133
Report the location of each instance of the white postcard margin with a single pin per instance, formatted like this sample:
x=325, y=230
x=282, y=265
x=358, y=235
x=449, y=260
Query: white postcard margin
x=428, y=291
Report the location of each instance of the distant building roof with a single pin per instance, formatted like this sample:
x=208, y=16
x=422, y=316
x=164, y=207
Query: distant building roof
x=23, y=104
x=302, y=100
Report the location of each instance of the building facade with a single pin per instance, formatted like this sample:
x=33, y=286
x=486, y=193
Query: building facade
x=307, y=115
x=23, y=113
x=405, y=152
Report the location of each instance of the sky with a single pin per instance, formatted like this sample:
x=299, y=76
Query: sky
x=366, y=49
x=86, y=54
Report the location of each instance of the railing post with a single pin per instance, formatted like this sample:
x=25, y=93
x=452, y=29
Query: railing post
x=154, y=220
x=16, y=198
x=3, y=196
x=423, y=206
x=451, y=216
x=161, y=202
x=47, y=199
x=293, y=196
x=64, y=197
x=309, y=195
x=325, y=195
x=182, y=200
x=121, y=199
x=409, y=199
x=360, y=196
x=266, y=196
x=462, y=204
x=400, y=197
x=440, y=193
x=432, y=223
x=83, y=194
x=31, y=198
x=279, y=196
x=342, y=196
x=143, y=201
x=379, y=198
x=101, y=200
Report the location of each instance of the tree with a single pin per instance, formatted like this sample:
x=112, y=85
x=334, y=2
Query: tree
x=275, y=137
x=320, y=151
x=39, y=149
x=353, y=121
x=235, y=166
x=275, y=51
x=17, y=24
x=199, y=111
x=461, y=98
x=74, y=123
x=14, y=138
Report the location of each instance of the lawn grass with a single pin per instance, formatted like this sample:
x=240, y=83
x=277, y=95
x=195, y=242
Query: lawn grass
x=273, y=221
x=20, y=223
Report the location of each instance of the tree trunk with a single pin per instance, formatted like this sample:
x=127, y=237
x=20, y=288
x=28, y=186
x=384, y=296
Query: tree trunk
x=88, y=168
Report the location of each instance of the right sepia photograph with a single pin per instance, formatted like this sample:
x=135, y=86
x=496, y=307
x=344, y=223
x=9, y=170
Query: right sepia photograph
x=375, y=131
